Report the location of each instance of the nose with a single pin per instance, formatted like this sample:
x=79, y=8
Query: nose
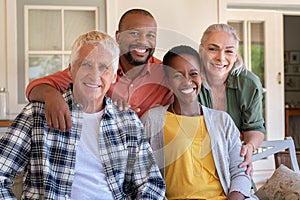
x=142, y=38
x=221, y=55
x=97, y=72
x=188, y=79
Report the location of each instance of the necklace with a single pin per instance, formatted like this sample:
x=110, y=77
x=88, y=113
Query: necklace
x=192, y=145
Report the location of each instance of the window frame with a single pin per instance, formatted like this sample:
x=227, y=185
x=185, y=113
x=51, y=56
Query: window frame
x=62, y=52
x=14, y=34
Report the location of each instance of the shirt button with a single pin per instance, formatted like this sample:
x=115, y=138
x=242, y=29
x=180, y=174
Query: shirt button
x=71, y=171
x=131, y=85
x=66, y=196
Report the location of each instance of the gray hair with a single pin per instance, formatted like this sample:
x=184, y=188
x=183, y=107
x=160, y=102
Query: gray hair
x=238, y=66
x=96, y=38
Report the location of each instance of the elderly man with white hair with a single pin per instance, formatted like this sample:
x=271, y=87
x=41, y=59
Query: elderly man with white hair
x=103, y=156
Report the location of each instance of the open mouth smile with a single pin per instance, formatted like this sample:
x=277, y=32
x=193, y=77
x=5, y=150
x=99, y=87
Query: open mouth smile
x=188, y=90
x=140, y=49
x=92, y=85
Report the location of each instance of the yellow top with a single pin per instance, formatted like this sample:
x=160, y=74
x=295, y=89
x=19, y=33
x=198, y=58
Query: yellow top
x=190, y=168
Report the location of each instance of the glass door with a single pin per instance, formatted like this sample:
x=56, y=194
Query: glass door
x=261, y=46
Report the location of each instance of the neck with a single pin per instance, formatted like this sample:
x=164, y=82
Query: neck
x=92, y=106
x=193, y=109
x=215, y=82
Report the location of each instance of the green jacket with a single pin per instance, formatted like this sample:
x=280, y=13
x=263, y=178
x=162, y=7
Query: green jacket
x=244, y=101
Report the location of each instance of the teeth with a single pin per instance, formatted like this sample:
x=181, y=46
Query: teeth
x=92, y=85
x=187, y=91
x=140, y=50
x=219, y=66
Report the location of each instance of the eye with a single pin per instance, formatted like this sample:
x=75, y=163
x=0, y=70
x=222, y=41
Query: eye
x=230, y=51
x=86, y=64
x=104, y=67
x=134, y=33
x=213, y=49
x=177, y=76
x=151, y=36
x=194, y=73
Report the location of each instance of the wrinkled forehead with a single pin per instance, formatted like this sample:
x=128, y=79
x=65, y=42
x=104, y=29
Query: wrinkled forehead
x=221, y=38
x=94, y=52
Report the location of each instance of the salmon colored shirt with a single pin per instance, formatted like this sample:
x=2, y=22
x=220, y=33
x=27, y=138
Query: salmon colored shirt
x=145, y=91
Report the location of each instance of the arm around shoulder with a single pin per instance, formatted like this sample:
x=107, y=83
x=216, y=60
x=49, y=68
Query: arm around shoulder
x=41, y=92
x=58, y=81
x=57, y=110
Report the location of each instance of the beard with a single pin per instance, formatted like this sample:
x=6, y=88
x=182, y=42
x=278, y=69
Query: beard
x=134, y=62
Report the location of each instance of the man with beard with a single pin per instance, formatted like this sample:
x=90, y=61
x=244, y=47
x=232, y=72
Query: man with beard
x=140, y=77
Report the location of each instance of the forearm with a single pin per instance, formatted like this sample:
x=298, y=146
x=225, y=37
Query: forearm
x=42, y=92
x=240, y=181
x=60, y=81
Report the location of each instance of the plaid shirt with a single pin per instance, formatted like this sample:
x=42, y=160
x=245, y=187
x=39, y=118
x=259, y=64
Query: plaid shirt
x=47, y=156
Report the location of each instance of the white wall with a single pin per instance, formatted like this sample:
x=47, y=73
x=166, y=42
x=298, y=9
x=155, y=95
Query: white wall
x=179, y=21
x=10, y=46
x=3, y=73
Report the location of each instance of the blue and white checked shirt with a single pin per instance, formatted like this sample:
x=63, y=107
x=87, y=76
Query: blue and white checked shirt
x=47, y=156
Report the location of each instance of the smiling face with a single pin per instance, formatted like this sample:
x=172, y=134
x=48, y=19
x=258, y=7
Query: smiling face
x=92, y=75
x=137, y=38
x=219, y=53
x=184, y=78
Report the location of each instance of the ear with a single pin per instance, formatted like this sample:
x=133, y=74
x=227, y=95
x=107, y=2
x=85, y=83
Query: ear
x=114, y=78
x=236, y=57
x=117, y=35
x=69, y=70
x=201, y=49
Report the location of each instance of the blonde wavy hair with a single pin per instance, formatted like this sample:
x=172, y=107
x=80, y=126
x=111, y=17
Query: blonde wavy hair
x=96, y=38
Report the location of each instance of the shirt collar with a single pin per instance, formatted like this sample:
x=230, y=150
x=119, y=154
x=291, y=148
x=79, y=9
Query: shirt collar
x=232, y=81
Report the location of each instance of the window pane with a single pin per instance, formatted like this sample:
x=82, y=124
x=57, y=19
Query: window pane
x=42, y=65
x=44, y=29
x=76, y=23
x=66, y=61
x=257, y=33
x=257, y=50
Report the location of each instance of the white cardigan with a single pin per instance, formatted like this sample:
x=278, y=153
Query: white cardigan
x=225, y=143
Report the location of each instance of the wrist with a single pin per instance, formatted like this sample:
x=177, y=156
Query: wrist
x=253, y=146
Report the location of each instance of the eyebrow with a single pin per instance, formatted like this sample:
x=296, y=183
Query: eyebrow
x=227, y=47
x=139, y=29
